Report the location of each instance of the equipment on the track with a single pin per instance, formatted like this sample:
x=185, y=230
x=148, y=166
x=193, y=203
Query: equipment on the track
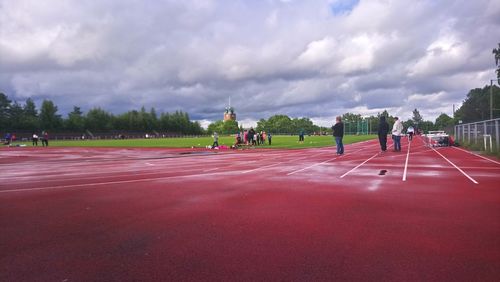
x=437, y=139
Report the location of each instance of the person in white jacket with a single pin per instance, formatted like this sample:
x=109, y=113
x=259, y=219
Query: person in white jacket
x=397, y=130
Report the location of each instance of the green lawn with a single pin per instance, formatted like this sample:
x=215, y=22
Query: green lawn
x=290, y=142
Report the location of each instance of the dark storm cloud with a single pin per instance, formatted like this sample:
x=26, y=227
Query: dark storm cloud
x=302, y=58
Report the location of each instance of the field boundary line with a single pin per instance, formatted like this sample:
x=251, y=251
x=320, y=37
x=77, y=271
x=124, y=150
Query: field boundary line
x=459, y=169
x=477, y=155
x=113, y=182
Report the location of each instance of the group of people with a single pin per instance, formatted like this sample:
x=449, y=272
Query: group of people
x=396, y=132
x=383, y=131
x=44, y=137
x=247, y=137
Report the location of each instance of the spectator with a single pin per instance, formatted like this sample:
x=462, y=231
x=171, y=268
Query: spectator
x=383, y=130
x=301, y=136
x=216, y=140
x=45, y=138
x=338, y=133
x=269, y=138
x=251, y=134
x=397, y=130
x=35, y=139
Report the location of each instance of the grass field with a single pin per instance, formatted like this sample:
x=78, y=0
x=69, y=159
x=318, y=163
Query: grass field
x=290, y=142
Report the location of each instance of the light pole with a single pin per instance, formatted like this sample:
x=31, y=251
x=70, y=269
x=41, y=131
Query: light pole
x=491, y=98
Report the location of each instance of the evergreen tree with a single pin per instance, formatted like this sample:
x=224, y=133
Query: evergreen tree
x=4, y=111
x=76, y=120
x=49, y=119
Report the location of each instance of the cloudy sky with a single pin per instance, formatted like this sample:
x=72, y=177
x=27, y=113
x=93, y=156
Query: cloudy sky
x=303, y=58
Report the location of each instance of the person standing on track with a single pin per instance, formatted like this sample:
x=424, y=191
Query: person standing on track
x=397, y=130
x=383, y=130
x=338, y=133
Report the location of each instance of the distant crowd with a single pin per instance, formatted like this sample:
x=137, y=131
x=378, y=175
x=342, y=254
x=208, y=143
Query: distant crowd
x=246, y=138
x=43, y=137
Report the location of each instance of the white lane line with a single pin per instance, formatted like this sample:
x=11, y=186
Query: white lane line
x=477, y=155
x=262, y=167
x=316, y=164
x=343, y=175
x=470, y=178
x=212, y=169
x=113, y=182
x=406, y=163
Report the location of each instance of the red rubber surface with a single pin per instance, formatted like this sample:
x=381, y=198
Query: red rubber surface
x=75, y=214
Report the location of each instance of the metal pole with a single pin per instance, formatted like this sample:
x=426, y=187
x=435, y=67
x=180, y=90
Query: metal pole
x=491, y=98
x=475, y=133
x=468, y=133
x=497, y=129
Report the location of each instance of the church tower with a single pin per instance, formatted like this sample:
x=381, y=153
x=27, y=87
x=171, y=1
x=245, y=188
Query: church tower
x=229, y=113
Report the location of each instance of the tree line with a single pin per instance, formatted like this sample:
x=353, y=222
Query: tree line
x=16, y=116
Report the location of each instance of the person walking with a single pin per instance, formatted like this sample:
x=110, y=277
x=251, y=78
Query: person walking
x=410, y=132
x=383, y=130
x=338, y=133
x=397, y=130
x=216, y=140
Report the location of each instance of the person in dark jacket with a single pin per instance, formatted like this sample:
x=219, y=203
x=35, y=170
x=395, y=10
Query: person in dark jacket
x=338, y=133
x=251, y=133
x=383, y=130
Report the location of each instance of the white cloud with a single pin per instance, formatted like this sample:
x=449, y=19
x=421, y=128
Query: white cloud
x=317, y=58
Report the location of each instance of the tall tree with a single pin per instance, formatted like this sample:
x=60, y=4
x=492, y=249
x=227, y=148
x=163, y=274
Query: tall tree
x=16, y=116
x=49, y=119
x=76, y=120
x=417, y=118
x=30, y=119
x=98, y=119
x=5, y=104
x=477, y=103
x=443, y=122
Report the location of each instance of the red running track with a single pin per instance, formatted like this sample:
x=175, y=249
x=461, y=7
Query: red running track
x=75, y=214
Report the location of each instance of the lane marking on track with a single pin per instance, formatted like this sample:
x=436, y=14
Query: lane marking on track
x=275, y=164
x=477, y=155
x=463, y=172
x=345, y=174
x=406, y=163
x=212, y=169
x=262, y=167
x=316, y=164
x=113, y=182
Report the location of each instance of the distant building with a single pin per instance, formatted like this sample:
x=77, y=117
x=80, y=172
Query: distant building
x=229, y=114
